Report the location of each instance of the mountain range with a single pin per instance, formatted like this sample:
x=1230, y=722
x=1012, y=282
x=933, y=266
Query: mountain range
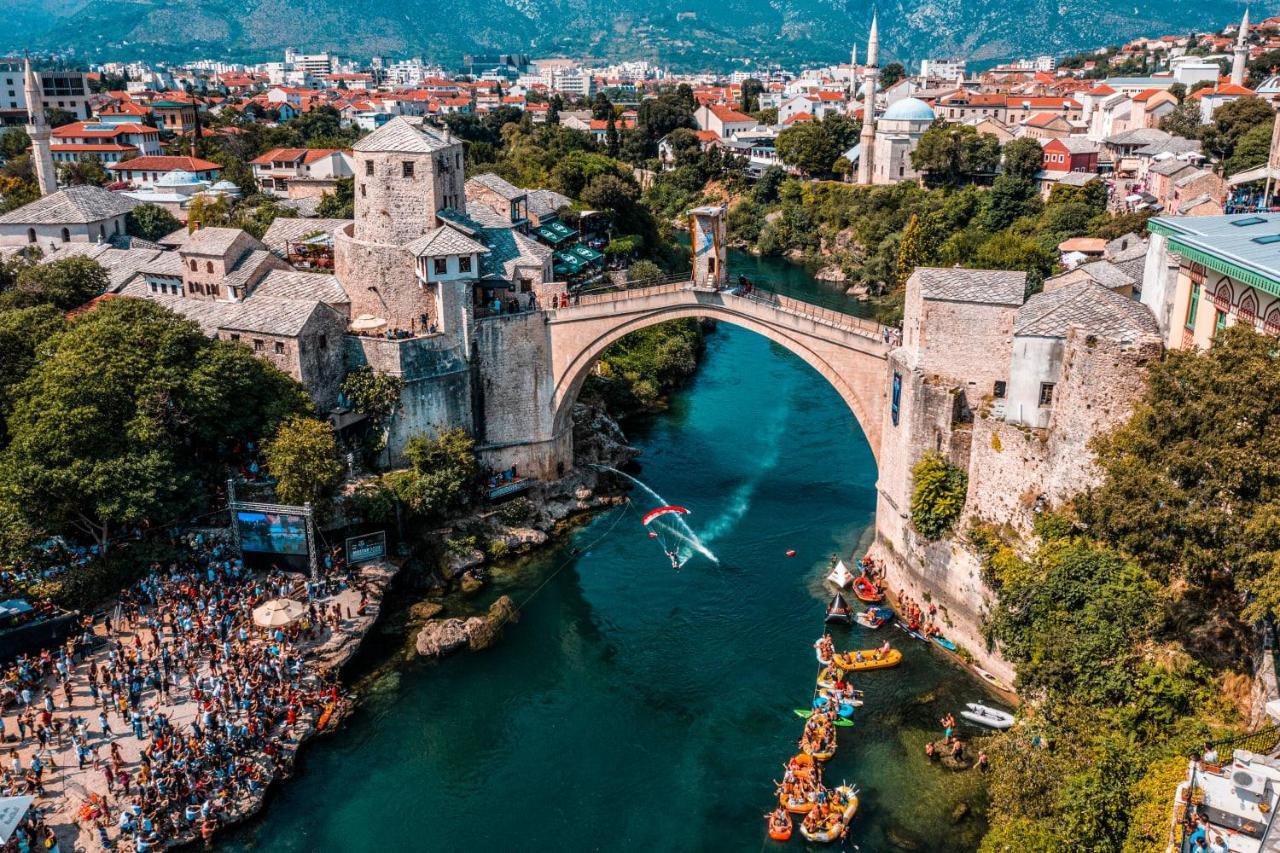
x=684, y=34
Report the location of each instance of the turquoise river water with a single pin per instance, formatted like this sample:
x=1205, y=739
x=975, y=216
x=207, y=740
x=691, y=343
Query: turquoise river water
x=634, y=707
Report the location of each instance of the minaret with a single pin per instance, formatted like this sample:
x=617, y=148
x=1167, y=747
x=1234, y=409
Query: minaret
x=38, y=130
x=853, y=75
x=870, y=76
x=1240, y=51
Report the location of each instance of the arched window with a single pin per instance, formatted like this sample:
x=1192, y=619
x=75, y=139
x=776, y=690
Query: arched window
x=117, y=226
x=208, y=266
x=1272, y=326
x=1247, y=313
x=1222, y=296
x=195, y=266
x=66, y=235
x=31, y=235
x=102, y=231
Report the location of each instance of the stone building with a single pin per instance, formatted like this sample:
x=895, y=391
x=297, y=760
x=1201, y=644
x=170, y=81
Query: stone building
x=1010, y=390
x=898, y=133
x=82, y=214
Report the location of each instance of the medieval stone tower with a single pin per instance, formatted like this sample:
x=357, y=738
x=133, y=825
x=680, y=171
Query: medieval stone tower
x=404, y=175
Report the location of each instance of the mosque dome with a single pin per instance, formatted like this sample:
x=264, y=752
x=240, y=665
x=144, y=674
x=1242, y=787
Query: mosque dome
x=177, y=178
x=909, y=109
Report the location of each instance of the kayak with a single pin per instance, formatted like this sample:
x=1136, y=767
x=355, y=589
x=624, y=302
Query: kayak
x=991, y=679
x=844, y=710
x=983, y=715
x=871, y=659
x=839, y=610
x=866, y=590
x=844, y=798
x=912, y=632
x=945, y=643
x=780, y=830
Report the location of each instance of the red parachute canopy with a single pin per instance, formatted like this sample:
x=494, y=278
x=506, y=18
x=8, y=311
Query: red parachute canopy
x=661, y=511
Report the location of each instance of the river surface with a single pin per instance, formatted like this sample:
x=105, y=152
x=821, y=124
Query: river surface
x=635, y=707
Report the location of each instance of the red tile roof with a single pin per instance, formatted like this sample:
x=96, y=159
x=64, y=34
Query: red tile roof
x=728, y=114
x=158, y=163
x=93, y=129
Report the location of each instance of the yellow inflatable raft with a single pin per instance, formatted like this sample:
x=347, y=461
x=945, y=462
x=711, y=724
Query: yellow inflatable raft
x=871, y=659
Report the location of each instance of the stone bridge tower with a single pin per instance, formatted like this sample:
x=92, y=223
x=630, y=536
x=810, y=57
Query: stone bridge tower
x=707, y=230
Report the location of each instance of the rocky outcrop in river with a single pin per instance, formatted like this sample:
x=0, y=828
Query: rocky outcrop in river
x=440, y=637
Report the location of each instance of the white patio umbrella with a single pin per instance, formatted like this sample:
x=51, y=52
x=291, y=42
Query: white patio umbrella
x=367, y=323
x=278, y=612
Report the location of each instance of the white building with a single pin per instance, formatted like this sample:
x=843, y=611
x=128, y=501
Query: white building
x=81, y=214
x=62, y=90
x=945, y=69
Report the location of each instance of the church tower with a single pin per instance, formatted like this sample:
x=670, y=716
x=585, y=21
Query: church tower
x=38, y=130
x=1240, y=53
x=870, y=76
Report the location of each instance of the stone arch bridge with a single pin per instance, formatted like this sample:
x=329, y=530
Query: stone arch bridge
x=849, y=352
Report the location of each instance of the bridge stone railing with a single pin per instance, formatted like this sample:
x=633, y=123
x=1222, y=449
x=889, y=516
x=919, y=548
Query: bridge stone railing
x=759, y=295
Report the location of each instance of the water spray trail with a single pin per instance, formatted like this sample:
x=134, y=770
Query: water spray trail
x=678, y=527
x=740, y=500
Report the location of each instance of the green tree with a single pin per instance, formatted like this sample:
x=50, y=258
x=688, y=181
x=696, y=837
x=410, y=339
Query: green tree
x=1007, y=251
x=65, y=283
x=1023, y=158
x=1183, y=121
x=442, y=476
x=952, y=153
x=13, y=143
x=208, y=212
x=937, y=495
x=339, y=204
x=1010, y=199
x=1186, y=489
x=891, y=73
x=601, y=107
x=911, y=253
x=88, y=172
x=303, y=459
x=1231, y=122
x=376, y=395
x=1252, y=149
x=808, y=147
x=124, y=416
x=151, y=222
x=752, y=89
x=23, y=333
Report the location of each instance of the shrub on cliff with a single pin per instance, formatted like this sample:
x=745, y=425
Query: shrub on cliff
x=442, y=476
x=938, y=495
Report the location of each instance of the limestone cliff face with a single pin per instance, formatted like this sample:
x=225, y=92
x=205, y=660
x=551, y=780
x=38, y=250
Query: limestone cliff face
x=947, y=402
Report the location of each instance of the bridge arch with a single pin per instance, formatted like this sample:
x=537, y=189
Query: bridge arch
x=848, y=353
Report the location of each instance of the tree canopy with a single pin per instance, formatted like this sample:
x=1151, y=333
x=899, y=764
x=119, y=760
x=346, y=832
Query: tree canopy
x=123, y=419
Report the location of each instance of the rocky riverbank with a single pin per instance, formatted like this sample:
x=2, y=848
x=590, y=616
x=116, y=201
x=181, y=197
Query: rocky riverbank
x=459, y=556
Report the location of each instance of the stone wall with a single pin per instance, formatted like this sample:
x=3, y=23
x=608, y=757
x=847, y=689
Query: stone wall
x=1101, y=382
x=515, y=395
x=319, y=356
x=393, y=208
x=391, y=271
x=437, y=384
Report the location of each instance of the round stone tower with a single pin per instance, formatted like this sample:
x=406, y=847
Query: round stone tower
x=404, y=174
